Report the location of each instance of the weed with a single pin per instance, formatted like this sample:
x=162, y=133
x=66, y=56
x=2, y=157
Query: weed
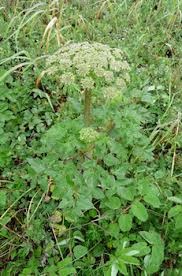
x=90, y=150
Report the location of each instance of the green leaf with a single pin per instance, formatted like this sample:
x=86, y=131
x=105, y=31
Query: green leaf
x=3, y=199
x=125, y=222
x=153, y=262
x=98, y=193
x=126, y=193
x=130, y=260
x=114, y=203
x=178, y=222
x=80, y=251
x=67, y=271
x=36, y=165
x=151, y=237
x=142, y=248
x=139, y=211
x=114, y=270
x=110, y=160
x=122, y=267
x=127, y=255
x=84, y=203
x=65, y=267
x=152, y=199
x=174, y=211
x=107, y=271
x=66, y=262
x=175, y=199
x=113, y=229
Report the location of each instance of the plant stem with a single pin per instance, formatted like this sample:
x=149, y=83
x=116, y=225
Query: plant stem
x=87, y=108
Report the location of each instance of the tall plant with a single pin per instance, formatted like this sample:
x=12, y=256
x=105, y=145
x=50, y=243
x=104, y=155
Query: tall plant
x=94, y=69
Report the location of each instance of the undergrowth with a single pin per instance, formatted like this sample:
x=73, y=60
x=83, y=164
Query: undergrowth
x=90, y=160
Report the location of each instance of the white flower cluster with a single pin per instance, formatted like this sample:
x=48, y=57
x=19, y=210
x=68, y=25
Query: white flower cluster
x=84, y=63
x=112, y=93
x=88, y=135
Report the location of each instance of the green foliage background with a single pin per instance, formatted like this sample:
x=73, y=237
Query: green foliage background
x=112, y=207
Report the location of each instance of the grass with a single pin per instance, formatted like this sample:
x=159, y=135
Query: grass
x=110, y=207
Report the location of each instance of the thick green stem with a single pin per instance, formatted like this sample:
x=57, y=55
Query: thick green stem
x=87, y=108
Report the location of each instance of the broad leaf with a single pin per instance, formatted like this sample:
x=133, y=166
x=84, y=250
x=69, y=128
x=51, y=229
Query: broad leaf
x=153, y=262
x=127, y=193
x=79, y=251
x=130, y=260
x=125, y=222
x=139, y=211
x=65, y=267
x=151, y=237
x=153, y=200
x=113, y=229
x=174, y=211
x=113, y=202
x=142, y=248
x=175, y=199
x=178, y=222
x=84, y=203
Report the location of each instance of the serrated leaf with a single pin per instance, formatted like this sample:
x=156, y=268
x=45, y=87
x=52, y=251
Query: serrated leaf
x=79, y=251
x=125, y=222
x=110, y=160
x=139, y=211
x=36, y=165
x=153, y=200
x=84, y=203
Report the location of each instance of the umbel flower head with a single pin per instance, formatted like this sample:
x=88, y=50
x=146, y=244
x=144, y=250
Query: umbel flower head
x=88, y=135
x=86, y=63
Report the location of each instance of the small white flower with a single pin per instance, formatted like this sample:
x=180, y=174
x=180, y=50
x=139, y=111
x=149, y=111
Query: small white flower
x=111, y=93
x=83, y=69
x=99, y=71
x=115, y=65
x=125, y=65
x=126, y=76
x=109, y=76
x=88, y=61
x=120, y=83
x=67, y=78
x=87, y=83
x=88, y=135
x=117, y=53
x=65, y=63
